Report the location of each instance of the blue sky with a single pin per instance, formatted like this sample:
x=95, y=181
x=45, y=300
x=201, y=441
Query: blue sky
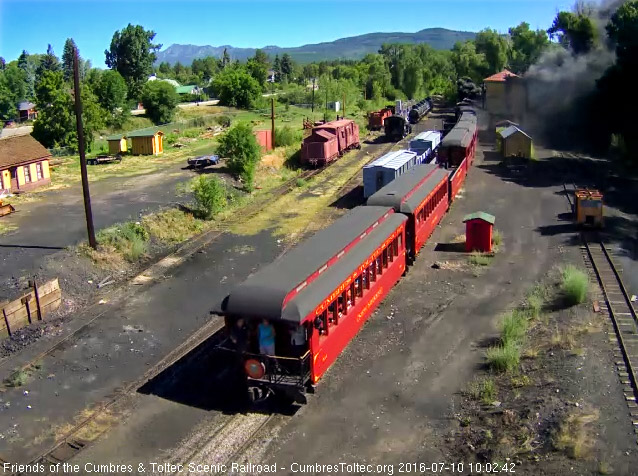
x=31, y=24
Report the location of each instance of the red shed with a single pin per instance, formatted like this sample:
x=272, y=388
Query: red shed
x=264, y=139
x=478, y=231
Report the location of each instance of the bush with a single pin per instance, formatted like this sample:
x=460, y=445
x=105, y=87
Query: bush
x=240, y=146
x=285, y=136
x=160, y=101
x=130, y=239
x=503, y=358
x=172, y=226
x=574, y=285
x=209, y=194
x=223, y=121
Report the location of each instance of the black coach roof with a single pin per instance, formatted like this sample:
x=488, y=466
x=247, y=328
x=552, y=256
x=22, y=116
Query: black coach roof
x=317, y=291
x=262, y=294
x=394, y=193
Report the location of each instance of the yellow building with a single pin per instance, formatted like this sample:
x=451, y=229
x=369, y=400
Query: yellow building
x=117, y=144
x=514, y=143
x=505, y=96
x=147, y=142
x=24, y=164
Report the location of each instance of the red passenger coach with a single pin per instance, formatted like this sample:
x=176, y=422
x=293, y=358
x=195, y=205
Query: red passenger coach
x=458, y=149
x=317, y=295
x=422, y=195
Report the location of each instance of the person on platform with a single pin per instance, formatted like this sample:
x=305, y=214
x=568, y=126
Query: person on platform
x=266, y=333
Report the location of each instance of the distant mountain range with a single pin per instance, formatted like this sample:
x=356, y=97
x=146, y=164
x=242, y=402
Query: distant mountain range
x=354, y=47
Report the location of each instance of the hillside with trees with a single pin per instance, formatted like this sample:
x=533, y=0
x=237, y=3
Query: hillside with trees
x=395, y=70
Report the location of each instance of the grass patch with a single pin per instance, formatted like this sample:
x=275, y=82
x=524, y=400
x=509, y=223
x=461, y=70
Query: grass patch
x=514, y=327
x=483, y=389
x=172, y=226
x=574, y=285
x=535, y=300
x=130, y=239
x=562, y=339
x=497, y=237
x=519, y=381
x=575, y=435
x=300, y=182
x=477, y=258
x=22, y=376
x=504, y=357
x=7, y=227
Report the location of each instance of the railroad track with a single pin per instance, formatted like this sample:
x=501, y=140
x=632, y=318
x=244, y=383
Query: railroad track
x=71, y=443
x=621, y=312
x=618, y=305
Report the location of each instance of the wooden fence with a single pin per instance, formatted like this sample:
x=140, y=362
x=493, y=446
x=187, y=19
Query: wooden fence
x=31, y=307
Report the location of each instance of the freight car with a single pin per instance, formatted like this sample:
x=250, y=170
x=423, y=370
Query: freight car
x=376, y=118
x=396, y=128
x=329, y=141
x=318, y=295
x=421, y=195
x=426, y=143
x=385, y=169
x=419, y=110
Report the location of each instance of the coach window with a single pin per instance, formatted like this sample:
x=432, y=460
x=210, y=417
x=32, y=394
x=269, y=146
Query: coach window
x=384, y=257
x=395, y=244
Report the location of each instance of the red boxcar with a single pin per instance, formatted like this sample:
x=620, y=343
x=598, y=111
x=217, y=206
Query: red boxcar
x=346, y=132
x=422, y=195
x=376, y=118
x=319, y=148
x=318, y=295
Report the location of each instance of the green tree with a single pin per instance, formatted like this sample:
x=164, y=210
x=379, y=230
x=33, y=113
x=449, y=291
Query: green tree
x=577, y=31
x=257, y=66
x=165, y=68
x=16, y=81
x=160, y=101
x=7, y=103
x=55, y=125
x=111, y=92
x=205, y=68
x=49, y=62
x=527, y=46
x=132, y=54
x=93, y=116
x=494, y=47
x=468, y=62
x=240, y=147
x=276, y=66
x=225, y=58
x=67, y=58
x=616, y=87
x=286, y=66
x=236, y=87
x=29, y=64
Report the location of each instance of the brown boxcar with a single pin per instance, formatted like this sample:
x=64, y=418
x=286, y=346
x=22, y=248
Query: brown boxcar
x=319, y=148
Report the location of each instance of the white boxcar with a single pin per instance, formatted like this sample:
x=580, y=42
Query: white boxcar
x=385, y=169
x=426, y=143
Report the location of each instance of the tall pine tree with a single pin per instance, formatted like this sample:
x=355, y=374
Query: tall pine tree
x=67, y=58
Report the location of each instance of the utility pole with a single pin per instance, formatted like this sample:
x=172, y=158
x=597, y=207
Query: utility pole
x=272, y=118
x=313, y=94
x=344, y=105
x=85, y=179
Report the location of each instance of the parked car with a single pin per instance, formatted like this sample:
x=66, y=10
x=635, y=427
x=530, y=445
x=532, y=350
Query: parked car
x=203, y=161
